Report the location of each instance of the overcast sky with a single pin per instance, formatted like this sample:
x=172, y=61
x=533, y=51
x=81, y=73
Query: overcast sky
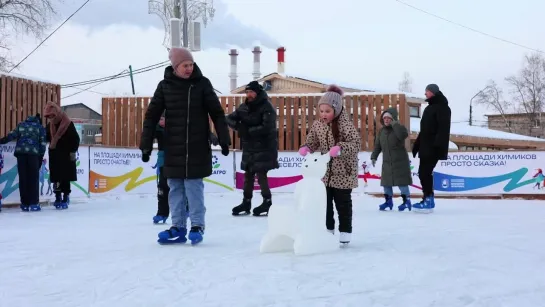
x=365, y=42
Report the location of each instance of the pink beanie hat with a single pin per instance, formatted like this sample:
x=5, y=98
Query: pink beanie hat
x=178, y=55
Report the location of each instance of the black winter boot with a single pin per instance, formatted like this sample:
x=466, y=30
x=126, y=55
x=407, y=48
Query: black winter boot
x=263, y=208
x=244, y=207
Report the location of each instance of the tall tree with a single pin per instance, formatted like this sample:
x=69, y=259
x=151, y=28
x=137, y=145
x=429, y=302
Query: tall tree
x=528, y=90
x=406, y=84
x=491, y=97
x=22, y=17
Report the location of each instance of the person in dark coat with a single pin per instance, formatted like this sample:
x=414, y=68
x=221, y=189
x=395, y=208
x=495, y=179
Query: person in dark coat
x=432, y=142
x=29, y=152
x=188, y=100
x=255, y=121
x=396, y=166
x=162, y=186
x=64, y=142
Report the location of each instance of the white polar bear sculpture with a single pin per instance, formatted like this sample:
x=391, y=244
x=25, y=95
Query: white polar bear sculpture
x=301, y=228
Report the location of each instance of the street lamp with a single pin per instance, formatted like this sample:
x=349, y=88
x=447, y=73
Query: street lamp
x=471, y=105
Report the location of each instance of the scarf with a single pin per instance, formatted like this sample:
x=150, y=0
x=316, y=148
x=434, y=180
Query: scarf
x=60, y=118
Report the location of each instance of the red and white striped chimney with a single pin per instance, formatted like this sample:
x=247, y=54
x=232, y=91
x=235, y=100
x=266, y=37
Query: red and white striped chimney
x=281, y=66
x=233, y=75
x=257, y=63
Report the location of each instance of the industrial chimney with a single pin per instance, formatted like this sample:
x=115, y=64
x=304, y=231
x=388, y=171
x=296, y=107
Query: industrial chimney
x=281, y=51
x=257, y=63
x=233, y=75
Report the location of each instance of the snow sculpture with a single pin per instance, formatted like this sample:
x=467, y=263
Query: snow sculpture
x=301, y=228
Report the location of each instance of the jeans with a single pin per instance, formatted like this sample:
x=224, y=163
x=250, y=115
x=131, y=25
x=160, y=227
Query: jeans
x=404, y=189
x=186, y=193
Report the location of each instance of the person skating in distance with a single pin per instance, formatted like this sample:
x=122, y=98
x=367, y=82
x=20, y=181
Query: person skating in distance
x=431, y=145
x=188, y=100
x=396, y=167
x=335, y=133
x=255, y=122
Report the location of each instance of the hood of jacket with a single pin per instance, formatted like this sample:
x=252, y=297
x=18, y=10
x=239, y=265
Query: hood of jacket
x=392, y=111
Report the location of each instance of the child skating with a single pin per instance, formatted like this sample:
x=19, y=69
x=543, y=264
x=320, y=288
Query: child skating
x=335, y=133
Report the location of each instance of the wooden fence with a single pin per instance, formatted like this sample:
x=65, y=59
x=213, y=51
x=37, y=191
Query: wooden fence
x=20, y=98
x=122, y=117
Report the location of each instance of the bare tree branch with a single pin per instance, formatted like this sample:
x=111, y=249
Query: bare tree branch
x=405, y=85
x=23, y=17
x=528, y=90
x=492, y=98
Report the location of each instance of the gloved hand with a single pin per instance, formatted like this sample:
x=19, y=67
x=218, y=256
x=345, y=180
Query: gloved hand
x=214, y=139
x=145, y=157
x=303, y=151
x=73, y=156
x=415, y=150
x=335, y=151
x=225, y=150
x=373, y=162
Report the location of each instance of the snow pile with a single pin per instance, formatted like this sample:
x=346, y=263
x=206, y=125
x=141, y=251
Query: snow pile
x=15, y=75
x=466, y=129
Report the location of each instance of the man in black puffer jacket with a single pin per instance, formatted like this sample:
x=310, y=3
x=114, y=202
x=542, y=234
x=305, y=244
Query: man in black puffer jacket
x=255, y=121
x=431, y=145
x=188, y=100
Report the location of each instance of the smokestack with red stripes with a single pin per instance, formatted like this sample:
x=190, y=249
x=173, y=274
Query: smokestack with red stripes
x=257, y=63
x=233, y=75
x=281, y=51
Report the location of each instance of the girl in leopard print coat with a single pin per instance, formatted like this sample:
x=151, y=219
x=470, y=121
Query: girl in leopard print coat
x=335, y=134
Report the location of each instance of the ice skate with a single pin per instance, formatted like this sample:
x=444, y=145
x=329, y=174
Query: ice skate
x=425, y=206
x=263, y=208
x=64, y=203
x=406, y=204
x=172, y=235
x=25, y=208
x=243, y=208
x=160, y=219
x=196, y=235
x=36, y=207
x=344, y=238
x=57, y=202
x=388, y=203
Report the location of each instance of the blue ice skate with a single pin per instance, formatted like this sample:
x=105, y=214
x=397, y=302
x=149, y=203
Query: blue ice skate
x=425, y=206
x=172, y=235
x=158, y=219
x=64, y=203
x=25, y=208
x=406, y=204
x=57, y=203
x=0, y=205
x=195, y=235
x=387, y=204
x=36, y=207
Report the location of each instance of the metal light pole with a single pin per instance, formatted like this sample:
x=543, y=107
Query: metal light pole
x=184, y=10
x=471, y=105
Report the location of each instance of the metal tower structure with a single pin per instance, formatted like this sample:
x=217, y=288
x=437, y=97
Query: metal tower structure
x=187, y=11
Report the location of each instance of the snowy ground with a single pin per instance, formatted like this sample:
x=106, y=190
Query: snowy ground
x=104, y=253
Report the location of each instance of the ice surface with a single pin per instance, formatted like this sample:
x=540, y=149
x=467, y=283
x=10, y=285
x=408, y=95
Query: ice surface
x=466, y=129
x=299, y=225
x=104, y=253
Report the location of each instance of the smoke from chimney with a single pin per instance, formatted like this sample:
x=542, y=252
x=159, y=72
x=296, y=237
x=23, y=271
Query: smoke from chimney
x=281, y=65
x=257, y=63
x=233, y=75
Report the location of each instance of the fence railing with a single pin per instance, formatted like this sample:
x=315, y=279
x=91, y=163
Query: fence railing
x=20, y=98
x=122, y=117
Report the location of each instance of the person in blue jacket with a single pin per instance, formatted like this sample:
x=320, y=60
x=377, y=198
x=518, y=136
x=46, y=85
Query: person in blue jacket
x=29, y=152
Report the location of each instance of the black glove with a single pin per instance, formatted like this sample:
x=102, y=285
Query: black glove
x=415, y=150
x=145, y=157
x=225, y=150
x=214, y=139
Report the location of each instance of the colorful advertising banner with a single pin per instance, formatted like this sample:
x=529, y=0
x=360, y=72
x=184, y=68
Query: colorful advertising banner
x=473, y=173
x=121, y=170
x=9, y=179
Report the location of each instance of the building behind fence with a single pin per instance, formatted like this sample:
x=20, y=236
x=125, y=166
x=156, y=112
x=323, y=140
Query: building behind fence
x=122, y=117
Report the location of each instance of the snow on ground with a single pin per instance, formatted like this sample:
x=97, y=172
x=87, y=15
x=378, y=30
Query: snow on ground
x=104, y=253
x=466, y=129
